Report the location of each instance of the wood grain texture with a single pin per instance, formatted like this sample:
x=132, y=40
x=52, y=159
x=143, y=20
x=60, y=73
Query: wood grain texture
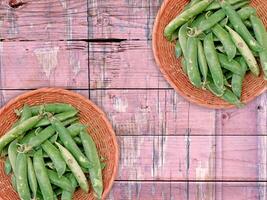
x=183, y=191
x=133, y=20
x=27, y=65
x=170, y=148
x=125, y=64
x=163, y=112
x=43, y=20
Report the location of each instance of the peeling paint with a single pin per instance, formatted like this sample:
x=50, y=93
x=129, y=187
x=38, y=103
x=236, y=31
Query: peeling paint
x=47, y=58
x=63, y=3
x=120, y=105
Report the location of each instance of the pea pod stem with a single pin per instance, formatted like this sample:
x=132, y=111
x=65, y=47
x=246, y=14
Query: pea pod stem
x=185, y=16
x=18, y=130
x=61, y=117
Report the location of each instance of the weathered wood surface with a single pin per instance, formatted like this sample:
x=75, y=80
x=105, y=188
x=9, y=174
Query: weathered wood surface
x=184, y=191
x=170, y=148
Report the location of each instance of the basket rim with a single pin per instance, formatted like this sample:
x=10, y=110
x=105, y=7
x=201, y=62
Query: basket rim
x=155, y=49
x=101, y=114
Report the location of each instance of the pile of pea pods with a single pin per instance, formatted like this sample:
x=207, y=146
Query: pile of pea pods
x=219, y=42
x=50, y=154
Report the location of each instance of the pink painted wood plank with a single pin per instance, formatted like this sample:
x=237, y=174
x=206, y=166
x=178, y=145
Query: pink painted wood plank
x=262, y=144
x=127, y=64
x=133, y=20
x=147, y=190
x=240, y=121
x=181, y=191
x=44, y=20
x=173, y=158
x=152, y=112
x=43, y=64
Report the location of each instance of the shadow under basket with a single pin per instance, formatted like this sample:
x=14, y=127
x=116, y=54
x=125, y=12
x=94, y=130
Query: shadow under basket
x=171, y=67
x=89, y=114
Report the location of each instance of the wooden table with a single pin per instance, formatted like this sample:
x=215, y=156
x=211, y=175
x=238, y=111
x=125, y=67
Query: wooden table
x=169, y=148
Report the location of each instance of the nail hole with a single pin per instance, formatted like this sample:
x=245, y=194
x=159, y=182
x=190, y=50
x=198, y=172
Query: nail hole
x=16, y=4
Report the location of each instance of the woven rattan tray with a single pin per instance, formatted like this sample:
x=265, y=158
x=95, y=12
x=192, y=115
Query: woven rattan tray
x=172, y=69
x=98, y=127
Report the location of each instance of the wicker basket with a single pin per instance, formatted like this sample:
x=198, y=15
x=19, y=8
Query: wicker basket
x=98, y=127
x=172, y=69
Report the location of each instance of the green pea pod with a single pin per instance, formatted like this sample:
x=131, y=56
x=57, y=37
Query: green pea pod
x=232, y=65
x=54, y=138
x=22, y=177
x=66, y=195
x=228, y=95
x=213, y=63
x=209, y=22
x=26, y=113
x=237, y=80
x=69, y=143
x=185, y=16
x=75, y=129
x=14, y=182
x=246, y=12
x=12, y=154
x=192, y=63
x=74, y=167
x=183, y=63
x=225, y=39
x=61, y=117
x=30, y=134
x=203, y=65
x=55, y=156
x=183, y=38
x=95, y=171
x=61, y=182
x=261, y=36
x=40, y=138
x=32, y=177
x=178, y=49
x=245, y=51
x=198, y=20
x=8, y=168
x=216, y=5
x=240, y=27
x=241, y=4
x=42, y=176
x=18, y=131
x=70, y=121
x=189, y=5
x=52, y=108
